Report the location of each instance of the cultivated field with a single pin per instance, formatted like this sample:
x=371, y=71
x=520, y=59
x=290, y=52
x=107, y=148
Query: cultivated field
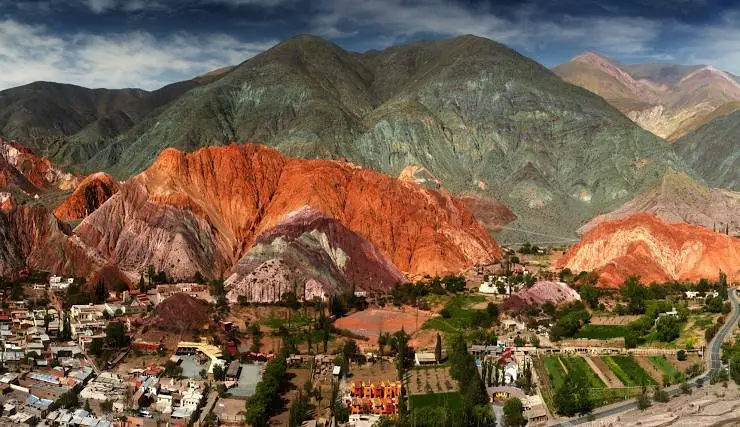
x=431, y=380
x=628, y=371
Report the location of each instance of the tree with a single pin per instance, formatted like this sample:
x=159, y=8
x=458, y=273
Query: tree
x=115, y=335
x=96, y=347
x=493, y=311
x=572, y=397
x=660, y=395
x=514, y=413
x=402, y=352
x=668, y=328
x=643, y=401
x=101, y=293
x=218, y=372
x=203, y=373
x=349, y=350
x=590, y=295
x=142, y=284
x=438, y=349
x=681, y=355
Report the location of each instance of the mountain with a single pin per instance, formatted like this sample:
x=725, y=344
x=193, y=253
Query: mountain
x=41, y=112
x=646, y=246
x=668, y=100
x=32, y=237
x=89, y=195
x=244, y=205
x=482, y=119
x=713, y=151
x=312, y=249
x=680, y=199
x=22, y=169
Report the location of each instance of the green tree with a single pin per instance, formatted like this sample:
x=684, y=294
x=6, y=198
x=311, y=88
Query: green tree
x=349, y=351
x=681, y=355
x=218, y=372
x=668, y=328
x=572, y=397
x=590, y=295
x=438, y=349
x=643, y=401
x=514, y=413
x=101, y=293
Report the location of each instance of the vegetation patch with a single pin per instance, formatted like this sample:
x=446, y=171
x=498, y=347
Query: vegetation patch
x=555, y=371
x=628, y=371
x=458, y=315
x=578, y=366
x=665, y=367
x=452, y=400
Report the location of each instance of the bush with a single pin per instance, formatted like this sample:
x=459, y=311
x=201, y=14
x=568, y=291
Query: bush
x=681, y=355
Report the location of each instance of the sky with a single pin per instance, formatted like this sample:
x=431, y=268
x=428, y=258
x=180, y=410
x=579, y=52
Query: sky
x=147, y=44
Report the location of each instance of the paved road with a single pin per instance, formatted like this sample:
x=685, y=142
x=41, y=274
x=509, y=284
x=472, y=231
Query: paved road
x=713, y=362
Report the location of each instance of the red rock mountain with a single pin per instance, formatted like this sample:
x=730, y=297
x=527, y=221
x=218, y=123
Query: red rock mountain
x=22, y=168
x=32, y=237
x=92, y=192
x=646, y=246
x=204, y=211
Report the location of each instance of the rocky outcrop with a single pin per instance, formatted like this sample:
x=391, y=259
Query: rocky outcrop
x=6, y=202
x=311, y=255
x=204, y=211
x=489, y=212
x=22, y=168
x=680, y=199
x=89, y=195
x=32, y=237
x=540, y=293
x=646, y=246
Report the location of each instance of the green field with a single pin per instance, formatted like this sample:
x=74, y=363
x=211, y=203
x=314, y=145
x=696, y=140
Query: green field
x=607, y=396
x=452, y=400
x=628, y=371
x=601, y=332
x=460, y=314
x=666, y=367
x=579, y=366
x=554, y=371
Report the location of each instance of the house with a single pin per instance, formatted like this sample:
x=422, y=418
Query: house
x=232, y=373
x=57, y=283
x=691, y=294
x=511, y=373
x=422, y=358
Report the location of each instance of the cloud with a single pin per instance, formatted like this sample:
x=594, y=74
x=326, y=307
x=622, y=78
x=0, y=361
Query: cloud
x=526, y=28
x=134, y=59
x=715, y=44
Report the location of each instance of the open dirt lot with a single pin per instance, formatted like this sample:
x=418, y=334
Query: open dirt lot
x=374, y=321
x=431, y=380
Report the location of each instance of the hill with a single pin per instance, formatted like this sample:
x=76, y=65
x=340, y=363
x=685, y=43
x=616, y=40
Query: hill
x=668, y=100
x=646, y=246
x=482, y=119
x=89, y=195
x=206, y=210
x=679, y=198
x=713, y=151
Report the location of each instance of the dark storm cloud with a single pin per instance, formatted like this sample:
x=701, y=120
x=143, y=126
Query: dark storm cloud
x=149, y=43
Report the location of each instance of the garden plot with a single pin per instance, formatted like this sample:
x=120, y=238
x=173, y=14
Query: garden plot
x=612, y=380
x=431, y=380
x=628, y=371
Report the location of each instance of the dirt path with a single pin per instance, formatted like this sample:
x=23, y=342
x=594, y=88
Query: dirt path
x=612, y=380
x=654, y=372
x=596, y=370
x=562, y=365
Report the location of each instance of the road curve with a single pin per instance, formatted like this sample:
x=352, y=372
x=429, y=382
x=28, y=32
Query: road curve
x=714, y=361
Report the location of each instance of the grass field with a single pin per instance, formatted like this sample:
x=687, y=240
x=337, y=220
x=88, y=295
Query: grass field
x=554, y=371
x=459, y=308
x=666, y=367
x=628, y=371
x=451, y=400
x=601, y=332
x=579, y=366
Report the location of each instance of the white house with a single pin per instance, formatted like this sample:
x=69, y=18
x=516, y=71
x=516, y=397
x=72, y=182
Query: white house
x=511, y=373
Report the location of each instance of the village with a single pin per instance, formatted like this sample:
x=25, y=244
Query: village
x=180, y=354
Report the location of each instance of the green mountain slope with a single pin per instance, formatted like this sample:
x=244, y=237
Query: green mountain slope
x=713, y=151
x=480, y=117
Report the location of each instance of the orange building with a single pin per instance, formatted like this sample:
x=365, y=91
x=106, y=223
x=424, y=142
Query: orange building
x=378, y=399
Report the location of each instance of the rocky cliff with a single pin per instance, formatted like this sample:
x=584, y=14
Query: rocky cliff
x=204, y=211
x=32, y=237
x=89, y=195
x=20, y=167
x=646, y=246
